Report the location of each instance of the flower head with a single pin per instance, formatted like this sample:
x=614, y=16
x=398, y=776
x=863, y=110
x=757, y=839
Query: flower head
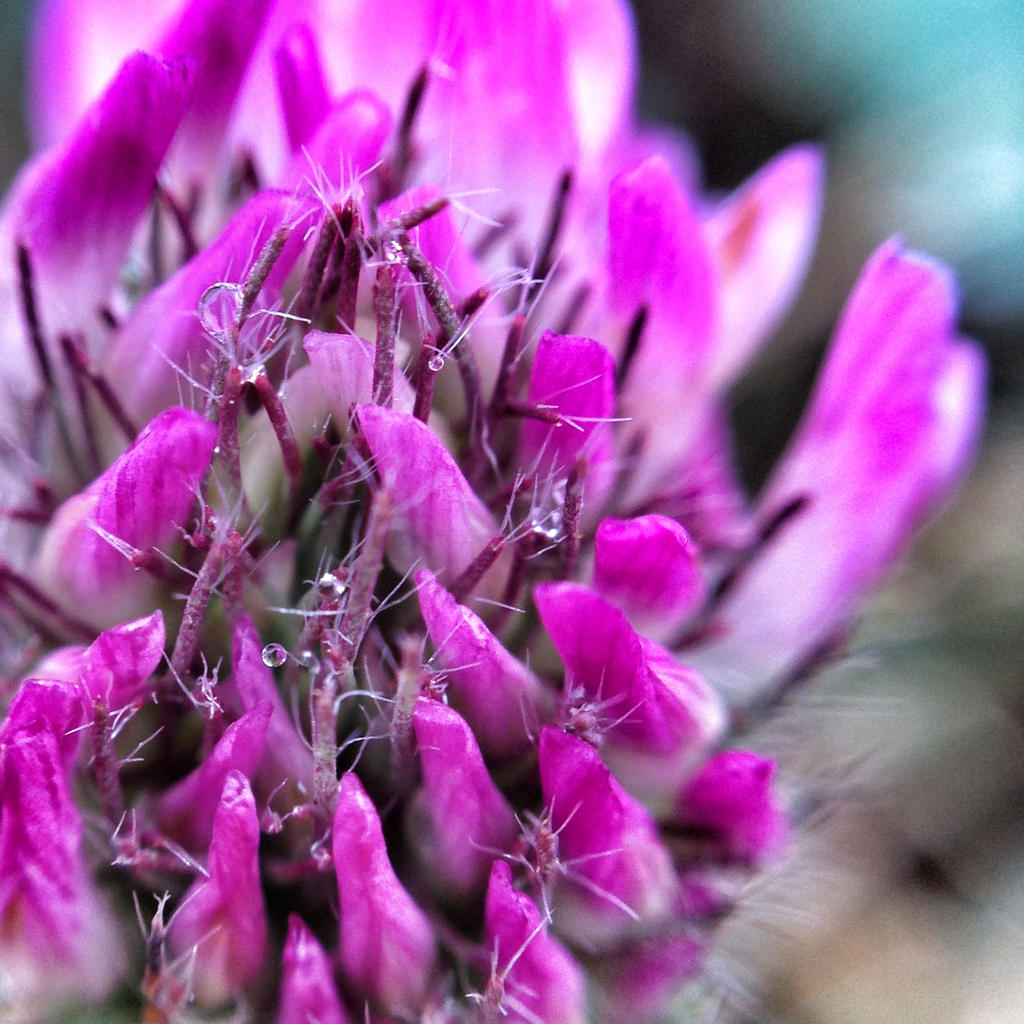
x=378, y=592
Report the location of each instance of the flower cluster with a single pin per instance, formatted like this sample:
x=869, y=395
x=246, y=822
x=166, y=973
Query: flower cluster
x=380, y=607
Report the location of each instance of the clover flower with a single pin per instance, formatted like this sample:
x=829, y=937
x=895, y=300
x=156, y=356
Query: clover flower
x=380, y=606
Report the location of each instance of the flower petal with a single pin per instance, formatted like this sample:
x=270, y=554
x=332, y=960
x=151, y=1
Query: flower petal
x=655, y=716
x=440, y=522
x=138, y=503
x=575, y=377
x=732, y=803
x=541, y=980
x=186, y=811
x=308, y=992
x=166, y=343
x=650, y=568
x=286, y=755
x=502, y=700
x=891, y=425
x=762, y=237
x=57, y=939
x=461, y=822
x=618, y=874
x=387, y=943
x=223, y=915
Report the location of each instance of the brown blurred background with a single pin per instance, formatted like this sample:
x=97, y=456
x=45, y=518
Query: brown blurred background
x=903, y=902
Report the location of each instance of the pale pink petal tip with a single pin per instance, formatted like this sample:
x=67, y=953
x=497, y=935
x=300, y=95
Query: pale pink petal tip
x=308, y=992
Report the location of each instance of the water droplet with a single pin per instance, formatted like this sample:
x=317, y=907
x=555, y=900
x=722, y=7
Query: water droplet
x=274, y=655
x=393, y=251
x=436, y=363
x=219, y=307
x=309, y=661
x=330, y=584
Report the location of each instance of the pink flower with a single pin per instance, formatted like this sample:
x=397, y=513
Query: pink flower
x=369, y=515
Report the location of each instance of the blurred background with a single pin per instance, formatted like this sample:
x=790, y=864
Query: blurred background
x=903, y=901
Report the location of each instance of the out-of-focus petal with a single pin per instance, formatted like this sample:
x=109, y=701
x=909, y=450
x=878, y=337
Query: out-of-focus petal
x=308, y=992
x=187, y=810
x=732, y=806
x=439, y=523
x=75, y=208
x=618, y=874
x=659, y=263
x=387, y=943
x=346, y=144
x=223, y=915
x=57, y=939
x=301, y=85
x=502, y=700
x=168, y=341
x=344, y=374
x=761, y=238
x=891, y=425
x=542, y=981
x=219, y=36
x=650, y=568
x=461, y=821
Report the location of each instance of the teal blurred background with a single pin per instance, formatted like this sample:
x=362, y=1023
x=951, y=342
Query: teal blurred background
x=903, y=903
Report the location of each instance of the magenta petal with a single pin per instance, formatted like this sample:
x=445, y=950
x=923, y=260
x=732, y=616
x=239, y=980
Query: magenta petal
x=655, y=715
x=219, y=36
x=387, y=943
x=618, y=874
x=223, y=916
x=286, y=756
x=308, y=992
x=55, y=702
x=892, y=424
x=439, y=522
x=659, y=262
x=117, y=664
x=87, y=195
x=542, y=981
x=186, y=810
x=732, y=803
x=163, y=344
x=574, y=377
x=462, y=821
x=650, y=568
x=762, y=237
x=57, y=939
x=645, y=975
x=301, y=85
x=139, y=503
x=502, y=700
x=344, y=374
x=346, y=144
